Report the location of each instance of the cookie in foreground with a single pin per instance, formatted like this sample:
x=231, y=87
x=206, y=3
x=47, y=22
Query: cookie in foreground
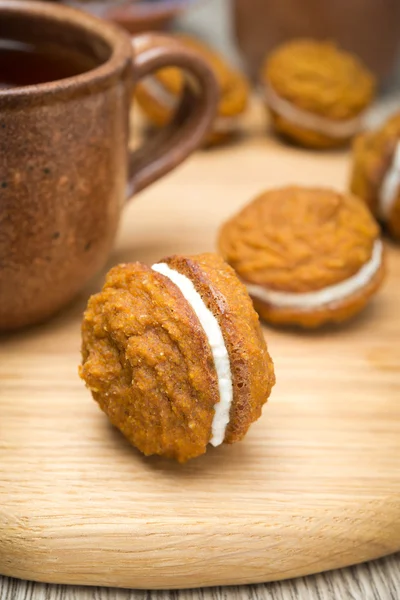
x=375, y=173
x=316, y=93
x=308, y=256
x=158, y=95
x=175, y=356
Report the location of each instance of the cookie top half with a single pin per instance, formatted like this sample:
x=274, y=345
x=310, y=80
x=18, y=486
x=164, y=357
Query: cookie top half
x=319, y=78
x=297, y=239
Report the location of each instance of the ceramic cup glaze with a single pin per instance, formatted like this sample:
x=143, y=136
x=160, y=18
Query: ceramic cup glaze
x=65, y=168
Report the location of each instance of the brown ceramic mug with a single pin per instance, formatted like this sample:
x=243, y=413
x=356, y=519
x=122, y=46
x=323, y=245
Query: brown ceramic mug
x=65, y=170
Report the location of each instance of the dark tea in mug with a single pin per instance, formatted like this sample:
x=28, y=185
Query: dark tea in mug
x=26, y=64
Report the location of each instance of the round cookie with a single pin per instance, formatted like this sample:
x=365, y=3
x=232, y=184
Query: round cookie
x=375, y=175
x=316, y=93
x=158, y=95
x=175, y=356
x=307, y=256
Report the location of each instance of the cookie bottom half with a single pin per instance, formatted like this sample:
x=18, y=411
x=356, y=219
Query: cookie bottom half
x=333, y=313
x=304, y=137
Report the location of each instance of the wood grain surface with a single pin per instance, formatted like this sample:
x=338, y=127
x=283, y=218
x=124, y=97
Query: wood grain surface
x=316, y=483
x=377, y=580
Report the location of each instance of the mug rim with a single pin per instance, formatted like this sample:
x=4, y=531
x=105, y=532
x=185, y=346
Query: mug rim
x=102, y=76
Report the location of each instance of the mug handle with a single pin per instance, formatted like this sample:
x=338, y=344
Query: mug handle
x=193, y=118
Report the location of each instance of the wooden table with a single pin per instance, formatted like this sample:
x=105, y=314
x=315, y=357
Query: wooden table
x=377, y=580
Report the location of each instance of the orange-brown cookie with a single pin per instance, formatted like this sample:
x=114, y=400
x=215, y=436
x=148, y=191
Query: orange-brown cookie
x=316, y=93
x=175, y=356
x=375, y=173
x=158, y=95
x=307, y=256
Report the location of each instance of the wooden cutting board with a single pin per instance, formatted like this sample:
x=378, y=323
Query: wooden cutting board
x=316, y=483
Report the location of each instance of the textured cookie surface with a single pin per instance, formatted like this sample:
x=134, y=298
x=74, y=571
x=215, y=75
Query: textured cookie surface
x=148, y=362
x=299, y=239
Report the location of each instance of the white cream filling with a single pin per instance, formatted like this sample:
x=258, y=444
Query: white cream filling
x=221, y=124
x=218, y=349
x=308, y=120
x=390, y=186
x=329, y=294
x=154, y=88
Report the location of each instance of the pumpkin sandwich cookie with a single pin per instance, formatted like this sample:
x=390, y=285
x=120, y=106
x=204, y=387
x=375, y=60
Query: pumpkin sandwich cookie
x=376, y=172
x=316, y=94
x=158, y=95
x=174, y=355
x=307, y=256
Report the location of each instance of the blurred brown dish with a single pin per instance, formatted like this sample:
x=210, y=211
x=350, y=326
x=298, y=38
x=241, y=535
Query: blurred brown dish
x=368, y=28
x=135, y=16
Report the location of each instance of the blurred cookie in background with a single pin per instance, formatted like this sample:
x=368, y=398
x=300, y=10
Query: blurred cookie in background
x=375, y=175
x=316, y=93
x=159, y=95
